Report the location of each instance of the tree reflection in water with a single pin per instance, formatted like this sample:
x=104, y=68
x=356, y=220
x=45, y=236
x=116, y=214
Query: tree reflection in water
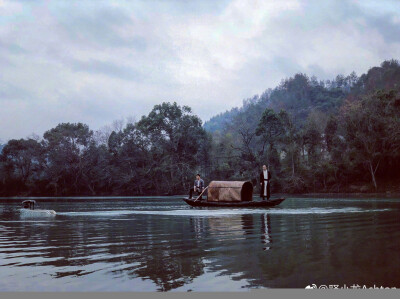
x=167, y=252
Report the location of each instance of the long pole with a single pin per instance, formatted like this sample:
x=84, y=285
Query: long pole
x=201, y=194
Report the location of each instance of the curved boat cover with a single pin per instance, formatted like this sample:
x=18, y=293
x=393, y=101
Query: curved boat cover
x=29, y=201
x=226, y=191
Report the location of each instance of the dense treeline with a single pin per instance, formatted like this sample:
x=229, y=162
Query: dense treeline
x=156, y=155
x=316, y=136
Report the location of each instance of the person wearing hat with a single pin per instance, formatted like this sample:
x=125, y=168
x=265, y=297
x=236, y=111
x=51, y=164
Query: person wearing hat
x=198, y=186
x=265, y=177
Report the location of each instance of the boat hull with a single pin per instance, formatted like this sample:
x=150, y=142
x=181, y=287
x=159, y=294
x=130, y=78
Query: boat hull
x=243, y=204
x=37, y=213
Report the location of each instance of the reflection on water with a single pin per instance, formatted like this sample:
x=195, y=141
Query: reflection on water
x=147, y=244
x=266, y=231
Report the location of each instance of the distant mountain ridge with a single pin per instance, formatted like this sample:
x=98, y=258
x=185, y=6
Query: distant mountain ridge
x=300, y=95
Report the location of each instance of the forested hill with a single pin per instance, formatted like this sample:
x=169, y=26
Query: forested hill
x=220, y=121
x=341, y=135
x=301, y=94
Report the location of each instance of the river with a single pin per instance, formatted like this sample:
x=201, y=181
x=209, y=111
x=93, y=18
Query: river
x=162, y=244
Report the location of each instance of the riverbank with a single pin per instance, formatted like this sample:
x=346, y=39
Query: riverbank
x=357, y=195
x=116, y=198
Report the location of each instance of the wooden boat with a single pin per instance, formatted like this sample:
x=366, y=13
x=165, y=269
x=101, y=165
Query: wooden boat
x=236, y=194
x=241, y=204
x=29, y=209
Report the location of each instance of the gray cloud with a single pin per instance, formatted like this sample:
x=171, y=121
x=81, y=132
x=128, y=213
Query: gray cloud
x=107, y=68
x=11, y=48
x=12, y=92
x=95, y=24
x=386, y=27
x=97, y=61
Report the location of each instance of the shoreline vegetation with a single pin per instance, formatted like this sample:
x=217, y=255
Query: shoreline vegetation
x=317, y=137
x=295, y=196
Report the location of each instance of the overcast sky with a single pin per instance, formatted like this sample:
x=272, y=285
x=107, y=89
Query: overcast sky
x=98, y=61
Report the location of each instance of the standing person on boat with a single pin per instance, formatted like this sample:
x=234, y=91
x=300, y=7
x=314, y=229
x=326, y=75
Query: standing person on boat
x=197, y=187
x=265, y=177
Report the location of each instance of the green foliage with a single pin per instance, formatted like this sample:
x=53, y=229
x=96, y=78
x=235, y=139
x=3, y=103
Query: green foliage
x=385, y=77
x=269, y=126
x=21, y=162
x=65, y=146
x=299, y=96
x=373, y=130
x=218, y=122
x=160, y=154
x=323, y=136
x=315, y=136
x=175, y=139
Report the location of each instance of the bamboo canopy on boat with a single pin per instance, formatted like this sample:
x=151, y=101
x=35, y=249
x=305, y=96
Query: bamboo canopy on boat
x=225, y=191
x=29, y=204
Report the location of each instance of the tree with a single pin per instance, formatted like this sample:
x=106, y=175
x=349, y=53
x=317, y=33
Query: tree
x=247, y=146
x=289, y=139
x=312, y=142
x=330, y=132
x=22, y=158
x=174, y=137
x=65, y=145
x=96, y=175
x=373, y=129
x=269, y=128
x=131, y=161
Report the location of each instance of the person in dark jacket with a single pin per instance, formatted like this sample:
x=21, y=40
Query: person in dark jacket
x=198, y=186
x=265, y=177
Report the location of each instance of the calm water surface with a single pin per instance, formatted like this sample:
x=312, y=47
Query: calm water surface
x=161, y=244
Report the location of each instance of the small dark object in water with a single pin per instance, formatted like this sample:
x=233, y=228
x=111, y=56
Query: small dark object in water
x=29, y=204
x=28, y=209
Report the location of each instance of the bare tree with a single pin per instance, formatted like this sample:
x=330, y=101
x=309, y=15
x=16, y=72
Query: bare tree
x=131, y=119
x=118, y=125
x=33, y=136
x=101, y=136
